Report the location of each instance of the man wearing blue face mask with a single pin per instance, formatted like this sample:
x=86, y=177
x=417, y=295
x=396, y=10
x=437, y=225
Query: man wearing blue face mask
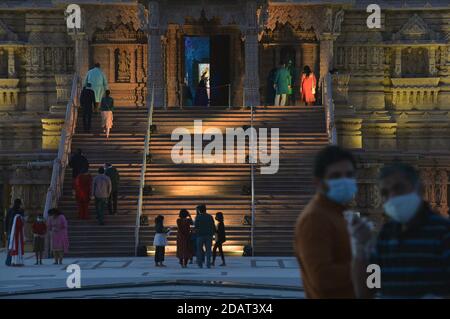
x=412, y=248
x=322, y=242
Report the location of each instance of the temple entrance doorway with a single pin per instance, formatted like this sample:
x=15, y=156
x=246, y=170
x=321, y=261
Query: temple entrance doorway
x=207, y=70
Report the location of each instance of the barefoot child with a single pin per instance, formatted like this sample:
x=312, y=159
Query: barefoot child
x=39, y=232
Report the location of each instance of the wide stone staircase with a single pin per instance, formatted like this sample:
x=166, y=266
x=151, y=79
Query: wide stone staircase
x=281, y=197
x=221, y=187
x=124, y=150
x=225, y=187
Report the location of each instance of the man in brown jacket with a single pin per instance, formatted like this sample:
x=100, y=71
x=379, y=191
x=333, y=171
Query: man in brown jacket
x=322, y=243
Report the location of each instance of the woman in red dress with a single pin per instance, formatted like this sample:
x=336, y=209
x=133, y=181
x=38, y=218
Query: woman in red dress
x=83, y=184
x=184, y=248
x=308, y=86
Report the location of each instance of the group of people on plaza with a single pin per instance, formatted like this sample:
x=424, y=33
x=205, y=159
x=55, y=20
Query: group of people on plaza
x=194, y=238
x=56, y=226
x=96, y=93
x=280, y=85
x=103, y=188
x=334, y=246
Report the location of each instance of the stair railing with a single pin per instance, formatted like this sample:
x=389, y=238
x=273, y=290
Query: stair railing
x=327, y=98
x=64, y=149
x=145, y=157
x=252, y=179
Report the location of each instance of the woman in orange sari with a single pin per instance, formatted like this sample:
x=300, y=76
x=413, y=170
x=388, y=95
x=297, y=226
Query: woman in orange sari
x=308, y=86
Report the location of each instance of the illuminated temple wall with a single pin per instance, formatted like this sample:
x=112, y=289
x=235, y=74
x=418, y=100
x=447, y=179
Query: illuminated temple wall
x=392, y=90
x=396, y=80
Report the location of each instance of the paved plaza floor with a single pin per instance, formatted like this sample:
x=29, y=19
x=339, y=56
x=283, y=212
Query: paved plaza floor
x=137, y=277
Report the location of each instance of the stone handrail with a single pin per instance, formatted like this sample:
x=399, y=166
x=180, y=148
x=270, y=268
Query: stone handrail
x=145, y=157
x=328, y=103
x=60, y=163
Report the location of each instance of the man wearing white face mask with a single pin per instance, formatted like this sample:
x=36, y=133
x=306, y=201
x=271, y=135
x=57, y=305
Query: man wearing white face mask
x=322, y=242
x=412, y=249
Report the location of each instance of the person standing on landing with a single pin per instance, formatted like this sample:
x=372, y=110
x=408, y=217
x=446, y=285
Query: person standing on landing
x=16, y=222
x=184, y=249
x=160, y=240
x=39, y=232
x=57, y=226
x=282, y=85
x=308, y=85
x=220, y=239
x=205, y=230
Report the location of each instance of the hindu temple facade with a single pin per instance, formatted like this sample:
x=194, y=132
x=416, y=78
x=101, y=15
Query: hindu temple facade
x=391, y=85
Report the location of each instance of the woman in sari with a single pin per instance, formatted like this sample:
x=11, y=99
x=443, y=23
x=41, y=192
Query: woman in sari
x=308, y=85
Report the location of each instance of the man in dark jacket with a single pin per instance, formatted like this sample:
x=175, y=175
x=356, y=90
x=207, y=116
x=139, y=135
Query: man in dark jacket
x=78, y=163
x=113, y=174
x=87, y=102
x=205, y=230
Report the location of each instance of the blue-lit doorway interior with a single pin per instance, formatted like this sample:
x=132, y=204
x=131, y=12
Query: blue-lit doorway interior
x=208, y=56
x=197, y=51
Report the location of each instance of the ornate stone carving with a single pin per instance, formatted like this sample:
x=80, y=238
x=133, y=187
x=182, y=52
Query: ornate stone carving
x=116, y=15
x=6, y=35
x=338, y=21
x=415, y=29
x=442, y=192
x=427, y=176
x=123, y=62
x=318, y=18
x=340, y=87
x=410, y=93
x=9, y=94
x=63, y=87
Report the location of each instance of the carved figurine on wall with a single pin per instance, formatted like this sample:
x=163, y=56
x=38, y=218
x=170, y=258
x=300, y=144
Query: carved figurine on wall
x=123, y=66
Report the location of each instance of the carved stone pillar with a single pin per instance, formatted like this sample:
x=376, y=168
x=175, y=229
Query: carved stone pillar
x=111, y=65
x=442, y=176
x=63, y=87
x=398, y=62
x=251, y=77
x=11, y=63
x=326, y=54
x=155, y=78
x=432, y=60
x=427, y=175
x=172, y=83
x=349, y=132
